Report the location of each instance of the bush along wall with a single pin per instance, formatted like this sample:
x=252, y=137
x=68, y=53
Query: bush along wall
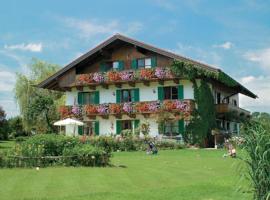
x=49, y=150
x=203, y=119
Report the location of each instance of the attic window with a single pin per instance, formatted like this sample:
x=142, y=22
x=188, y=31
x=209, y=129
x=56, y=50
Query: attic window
x=115, y=65
x=144, y=63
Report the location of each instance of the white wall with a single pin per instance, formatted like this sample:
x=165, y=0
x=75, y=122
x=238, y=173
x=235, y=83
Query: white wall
x=147, y=93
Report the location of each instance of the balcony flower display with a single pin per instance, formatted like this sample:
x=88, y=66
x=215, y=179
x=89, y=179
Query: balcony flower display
x=127, y=75
x=182, y=106
x=154, y=106
x=113, y=76
x=65, y=111
x=98, y=77
x=142, y=107
x=115, y=108
x=146, y=74
x=76, y=110
x=128, y=107
x=83, y=79
x=160, y=73
x=169, y=105
x=103, y=109
x=90, y=109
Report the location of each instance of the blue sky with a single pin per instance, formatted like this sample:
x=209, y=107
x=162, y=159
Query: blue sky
x=232, y=35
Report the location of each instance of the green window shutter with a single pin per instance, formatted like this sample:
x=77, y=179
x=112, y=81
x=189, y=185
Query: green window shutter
x=181, y=124
x=136, y=94
x=80, y=130
x=121, y=65
x=97, y=127
x=134, y=64
x=118, y=126
x=118, y=96
x=80, y=98
x=103, y=67
x=96, y=97
x=160, y=93
x=136, y=123
x=180, y=92
x=153, y=61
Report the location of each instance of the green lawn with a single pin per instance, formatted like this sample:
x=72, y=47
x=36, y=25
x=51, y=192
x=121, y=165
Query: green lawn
x=181, y=174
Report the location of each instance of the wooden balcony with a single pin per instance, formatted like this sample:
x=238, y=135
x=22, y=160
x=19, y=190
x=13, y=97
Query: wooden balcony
x=180, y=108
x=228, y=110
x=130, y=77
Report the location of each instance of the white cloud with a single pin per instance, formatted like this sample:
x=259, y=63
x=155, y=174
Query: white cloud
x=166, y=4
x=262, y=57
x=90, y=28
x=34, y=47
x=261, y=87
x=9, y=105
x=7, y=81
x=225, y=45
x=199, y=54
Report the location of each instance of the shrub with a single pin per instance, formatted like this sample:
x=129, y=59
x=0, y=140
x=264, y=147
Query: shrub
x=257, y=145
x=86, y=155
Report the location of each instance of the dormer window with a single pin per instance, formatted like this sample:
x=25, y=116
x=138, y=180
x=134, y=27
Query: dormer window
x=111, y=65
x=115, y=65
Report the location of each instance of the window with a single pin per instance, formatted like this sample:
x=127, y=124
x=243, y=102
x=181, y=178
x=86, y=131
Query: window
x=144, y=63
x=127, y=95
x=126, y=124
x=115, y=65
x=170, y=92
x=86, y=98
x=234, y=102
x=171, y=128
x=218, y=98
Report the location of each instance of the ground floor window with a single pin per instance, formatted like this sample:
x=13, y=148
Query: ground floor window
x=172, y=128
x=90, y=128
x=126, y=125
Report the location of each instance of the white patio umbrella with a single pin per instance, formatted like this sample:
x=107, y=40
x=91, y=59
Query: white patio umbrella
x=68, y=121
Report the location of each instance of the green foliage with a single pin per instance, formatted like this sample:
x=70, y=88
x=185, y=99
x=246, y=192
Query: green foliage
x=85, y=155
x=47, y=149
x=204, y=116
x=16, y=127
x=190, y=71
x=257, y=146
x=263, y=118
x=4, y=129
x=37, y=104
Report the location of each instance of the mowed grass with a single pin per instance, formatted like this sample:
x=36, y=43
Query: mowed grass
x=173, y=174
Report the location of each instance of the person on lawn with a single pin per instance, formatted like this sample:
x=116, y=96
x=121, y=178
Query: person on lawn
x=151, y=148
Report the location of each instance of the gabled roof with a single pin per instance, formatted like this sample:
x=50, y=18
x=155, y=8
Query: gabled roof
x=136, y=43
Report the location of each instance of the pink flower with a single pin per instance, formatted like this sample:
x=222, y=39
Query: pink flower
x=160, y=73
x=76, y=110
x=98, y=77
x=154, y=106
x=103, y=109
x=127, y=75
x=127, y=107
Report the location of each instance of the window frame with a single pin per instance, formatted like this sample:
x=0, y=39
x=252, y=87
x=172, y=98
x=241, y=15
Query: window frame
x=89, y=98
x=131, y=95
x=172, y=95
x=143, y=60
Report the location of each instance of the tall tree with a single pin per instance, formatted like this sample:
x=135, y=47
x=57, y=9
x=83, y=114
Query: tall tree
x=37, y=105
x=3, y=125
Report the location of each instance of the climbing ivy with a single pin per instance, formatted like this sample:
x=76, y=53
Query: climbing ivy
x=204, y=116
x=190, y=71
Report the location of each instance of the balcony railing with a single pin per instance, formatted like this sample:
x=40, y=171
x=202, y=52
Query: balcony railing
x=127, y=76
x=181, y=107
x=228, y=108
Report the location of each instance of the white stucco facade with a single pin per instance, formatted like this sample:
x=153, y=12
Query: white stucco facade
x=146, y=93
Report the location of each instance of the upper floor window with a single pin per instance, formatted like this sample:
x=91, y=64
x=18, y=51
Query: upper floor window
x=234, y=102
x=127, y=95
x=170, y=92
x=111, y=65
x=144, y=63
x=88, y=98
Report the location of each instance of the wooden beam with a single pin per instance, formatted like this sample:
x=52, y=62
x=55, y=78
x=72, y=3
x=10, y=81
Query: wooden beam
x=176, y=81
x=118, y=85
x=92, y=117
x=80, y=88
x=104, y=85
x=92, y=87
x=118, y=116
x=146, y=115
x=161, y=82
x=132, y=115
x=131, y=84
x=67, y=89
x=105, y=116
x=146, y=83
